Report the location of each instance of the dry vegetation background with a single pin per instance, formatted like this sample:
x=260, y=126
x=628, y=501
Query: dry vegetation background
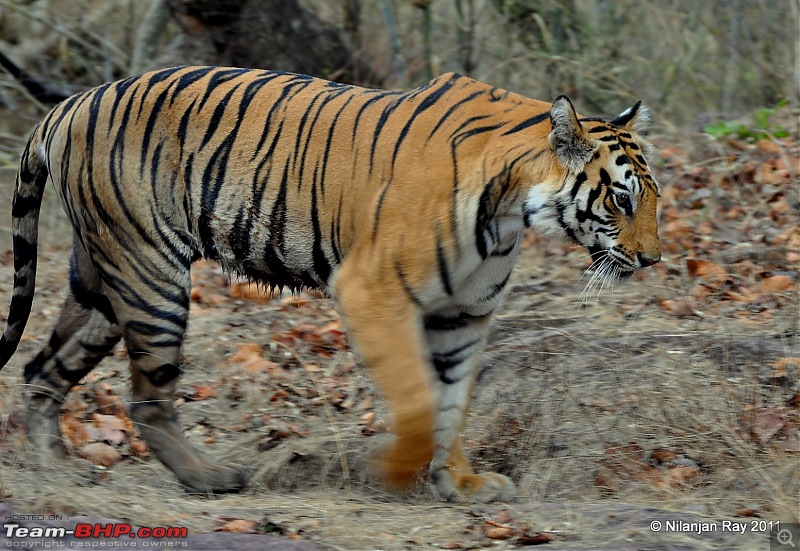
x=674, y=394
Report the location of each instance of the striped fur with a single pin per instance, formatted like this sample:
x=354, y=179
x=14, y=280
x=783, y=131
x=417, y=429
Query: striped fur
x=407, y=207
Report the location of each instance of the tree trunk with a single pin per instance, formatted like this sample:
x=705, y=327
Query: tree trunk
x=271, y=35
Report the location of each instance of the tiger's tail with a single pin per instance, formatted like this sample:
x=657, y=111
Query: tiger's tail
x=27, y=203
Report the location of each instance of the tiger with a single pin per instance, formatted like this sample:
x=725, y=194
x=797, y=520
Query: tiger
x=408, y=207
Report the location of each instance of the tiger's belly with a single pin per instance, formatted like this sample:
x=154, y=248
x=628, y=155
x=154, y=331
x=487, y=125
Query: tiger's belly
x=280, y=255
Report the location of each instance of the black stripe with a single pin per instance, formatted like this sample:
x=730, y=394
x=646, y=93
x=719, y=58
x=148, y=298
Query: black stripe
x=218, y=77
x=123, y=92
x=605, y=178
x=504, y=252
x=186, y=80
x=149, y=129
x=288, y=88
x=22, y=206
x=495, y=289
x=475, y=132
x=161, y=375
x=216, y=117
x=321, y=265
x=579, y=181
x=528, y=123
x=452, y=110
x=149, y=330
x=378, y=210
x=594, y=193
x=424, y=105
x=299, y=136
x=70, y=375
x=331, y=95
x=441, y=260
x=91, y=300
x=25, y=252
x=435, y=322
x=274, y=250
x=455, y=133
x=336, y=239
x=398, y=268
x=442, y=366
x=597, y=129
x=259, y=187
x=449, y=355
x=130, y=296
x=329, y=142
x=382, y=120
x=378, y=96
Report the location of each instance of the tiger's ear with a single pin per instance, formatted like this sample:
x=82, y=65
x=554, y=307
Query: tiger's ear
x=634, y=118
x=567, y=138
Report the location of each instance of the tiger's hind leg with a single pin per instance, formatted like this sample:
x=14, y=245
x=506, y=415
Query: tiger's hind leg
x=153, y=315
x=456, y=342
x=85, y=332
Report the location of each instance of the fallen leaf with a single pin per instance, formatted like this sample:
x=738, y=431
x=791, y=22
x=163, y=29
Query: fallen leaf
x=534, y=539
x=742, y=295
x=498, y=532
x=453, y=545
x=663, y=455
x=313, y=368
x=107, y=401
x=791, y=443
x=704, y=268
x=776, y=283
x=253, y=291
x=73, y=428
x=139, y=449
x=780, y=369
x=263, y=365
x=247, y=351
x=100, y=453
x=683, y=474
x=112, y=429
x=766, y=422
x=237, y=525
x=202, y=392
x=680, y=308
x=215, y=299
x=769, y=146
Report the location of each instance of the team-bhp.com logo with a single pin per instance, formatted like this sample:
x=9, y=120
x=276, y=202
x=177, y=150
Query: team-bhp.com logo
x=89, y=531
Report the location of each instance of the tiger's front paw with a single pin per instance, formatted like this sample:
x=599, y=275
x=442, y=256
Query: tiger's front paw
x=480, y=488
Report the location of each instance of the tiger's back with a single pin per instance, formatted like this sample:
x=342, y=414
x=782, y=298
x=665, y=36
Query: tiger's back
x=407, y=206
x=264, y=170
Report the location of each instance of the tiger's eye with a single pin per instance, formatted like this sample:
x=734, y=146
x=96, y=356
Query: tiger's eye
x=623, y=201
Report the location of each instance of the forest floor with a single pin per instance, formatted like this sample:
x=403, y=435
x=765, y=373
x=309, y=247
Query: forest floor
x=673, y=397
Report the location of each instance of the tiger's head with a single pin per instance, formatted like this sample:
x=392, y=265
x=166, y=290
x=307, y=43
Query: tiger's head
x=602, y=195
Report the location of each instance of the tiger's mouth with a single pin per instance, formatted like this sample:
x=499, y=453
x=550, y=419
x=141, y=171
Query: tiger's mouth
x=604, y=260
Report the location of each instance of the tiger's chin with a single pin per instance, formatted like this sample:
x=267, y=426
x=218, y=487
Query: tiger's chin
x=624, y=274
x=605, y=264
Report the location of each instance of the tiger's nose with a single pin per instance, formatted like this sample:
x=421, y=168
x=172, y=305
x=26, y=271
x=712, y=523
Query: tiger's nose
x=646, y=261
